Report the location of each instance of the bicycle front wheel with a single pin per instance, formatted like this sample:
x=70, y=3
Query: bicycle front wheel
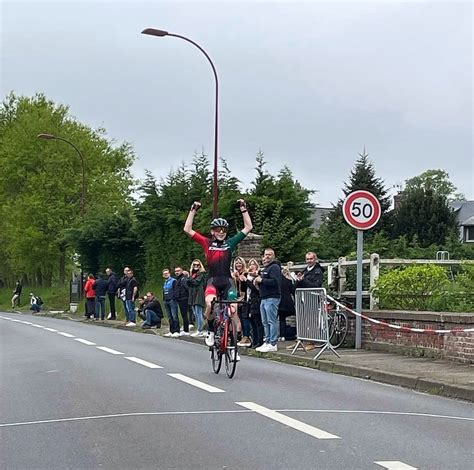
x=216, y=359
x=231, y=351
x=338, y=329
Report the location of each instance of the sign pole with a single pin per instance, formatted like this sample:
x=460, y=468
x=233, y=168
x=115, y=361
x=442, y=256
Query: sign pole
x=360, y=255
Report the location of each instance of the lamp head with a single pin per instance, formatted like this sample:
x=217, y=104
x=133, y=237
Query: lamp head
x=155, y=32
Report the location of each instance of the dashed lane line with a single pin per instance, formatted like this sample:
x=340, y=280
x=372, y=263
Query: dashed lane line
x=67, y=335
x=197, y=383
x=292, y=423
x=150, y=365
x=395, y=465
x=84, y=341
x=109, y=350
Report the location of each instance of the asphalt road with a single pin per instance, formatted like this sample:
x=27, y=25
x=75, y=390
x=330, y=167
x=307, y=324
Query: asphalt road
x=65, y=403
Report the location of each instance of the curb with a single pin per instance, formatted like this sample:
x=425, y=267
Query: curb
x=421, y=384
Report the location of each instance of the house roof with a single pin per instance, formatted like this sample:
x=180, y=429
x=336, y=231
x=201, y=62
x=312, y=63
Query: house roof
x=464, y=211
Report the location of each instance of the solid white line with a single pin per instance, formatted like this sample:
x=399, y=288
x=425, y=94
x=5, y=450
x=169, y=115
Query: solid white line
x=197, y=383
x=51, y=329
x=395, y=465
x=111, y=351
x=144, y=363
x=84, y=341
x=372, y=412
x=37, y=326
x=124, y=415
x=292, y=423
x=67, y=335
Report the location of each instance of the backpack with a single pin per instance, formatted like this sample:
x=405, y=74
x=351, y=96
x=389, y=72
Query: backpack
x=39, y=300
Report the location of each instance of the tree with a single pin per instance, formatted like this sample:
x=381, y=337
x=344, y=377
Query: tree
x=436, y=180
x=425, y=215
x=40, y=185
x=335, y=237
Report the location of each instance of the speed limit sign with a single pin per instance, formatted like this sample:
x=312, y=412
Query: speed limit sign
x=361, y=210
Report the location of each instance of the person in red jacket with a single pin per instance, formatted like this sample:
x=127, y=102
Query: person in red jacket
x=89, y=292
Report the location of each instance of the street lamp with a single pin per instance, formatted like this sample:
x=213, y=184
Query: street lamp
x=73, y=305
x=83, y=192
x=161, y=33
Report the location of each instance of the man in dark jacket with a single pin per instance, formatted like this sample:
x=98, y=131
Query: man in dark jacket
x=310, y=278
x=111, y=292
x=269, y=282
x=101, y=285
x=182, y=296
x=171, y=306
x=153, y=312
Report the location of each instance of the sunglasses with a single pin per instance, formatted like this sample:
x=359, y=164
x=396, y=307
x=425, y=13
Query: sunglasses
x=220, y=229
x=196, y=265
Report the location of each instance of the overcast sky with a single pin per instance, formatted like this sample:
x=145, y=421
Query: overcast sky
x=308, y=83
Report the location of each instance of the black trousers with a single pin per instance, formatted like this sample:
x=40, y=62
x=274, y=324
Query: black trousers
x=90, y=307
x=113, y=313
x=257, y=328
x=183, y=307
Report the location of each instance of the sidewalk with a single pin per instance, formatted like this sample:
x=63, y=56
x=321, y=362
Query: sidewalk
x=435, y=376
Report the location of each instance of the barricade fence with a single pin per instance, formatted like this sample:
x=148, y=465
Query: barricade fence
x=312, y=319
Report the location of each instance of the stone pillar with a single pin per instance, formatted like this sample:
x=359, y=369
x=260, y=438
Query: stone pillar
x=251, y=247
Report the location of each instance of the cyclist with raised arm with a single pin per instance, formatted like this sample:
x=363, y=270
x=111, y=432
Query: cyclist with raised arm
x=218, y=250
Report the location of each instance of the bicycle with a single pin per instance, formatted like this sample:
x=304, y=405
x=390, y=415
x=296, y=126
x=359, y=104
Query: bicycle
x=225, y=339
x=337, y=323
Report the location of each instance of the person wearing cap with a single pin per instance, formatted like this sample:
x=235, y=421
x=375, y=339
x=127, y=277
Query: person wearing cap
x=218, y=250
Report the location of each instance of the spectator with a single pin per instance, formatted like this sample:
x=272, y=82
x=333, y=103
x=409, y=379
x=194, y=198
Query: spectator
x=101, y=286
x=182, y=296
x=240, y=279
x=311, y=277
x=286, y=308
x=269, y=282
x=90, y=296
x=17, y=294
x=196, y=284
x=121, y=289
x=153, y=312
x=131, y=294
x=35, y=302
x=171, y=306
x=253, y=298
x=111, y=293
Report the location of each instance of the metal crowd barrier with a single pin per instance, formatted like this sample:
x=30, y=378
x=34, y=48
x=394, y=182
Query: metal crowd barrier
x=312, y=319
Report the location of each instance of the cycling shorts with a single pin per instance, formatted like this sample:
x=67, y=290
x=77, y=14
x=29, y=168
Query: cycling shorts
x=223, y=285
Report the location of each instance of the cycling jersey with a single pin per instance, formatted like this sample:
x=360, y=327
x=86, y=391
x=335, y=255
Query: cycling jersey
x=218, y=256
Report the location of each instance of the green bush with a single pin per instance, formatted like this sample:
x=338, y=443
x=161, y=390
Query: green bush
x=417, y=287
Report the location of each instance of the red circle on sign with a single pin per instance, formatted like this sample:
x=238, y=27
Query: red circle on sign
x=361, y=209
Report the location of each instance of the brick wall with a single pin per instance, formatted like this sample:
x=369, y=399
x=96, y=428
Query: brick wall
x=251, y=247
x=458, y=346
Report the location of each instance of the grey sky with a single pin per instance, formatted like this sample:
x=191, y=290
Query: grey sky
x=308, y=83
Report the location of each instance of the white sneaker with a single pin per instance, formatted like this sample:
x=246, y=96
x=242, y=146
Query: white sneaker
x=272, y=348
x=169, y=334
x=175, y=335
x=196, y=333
x=130, y=323
x=191, y=327
x=209, y=339
x=184, y=333
x=201, y=333
x=109, y=316
x=262, y=348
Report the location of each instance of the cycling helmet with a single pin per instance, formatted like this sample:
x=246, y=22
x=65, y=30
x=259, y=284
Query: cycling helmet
x=219, y=223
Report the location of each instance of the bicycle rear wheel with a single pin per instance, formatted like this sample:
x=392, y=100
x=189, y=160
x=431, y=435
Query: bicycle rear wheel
x=338, y=329
x=216, y=359
x=231, y=350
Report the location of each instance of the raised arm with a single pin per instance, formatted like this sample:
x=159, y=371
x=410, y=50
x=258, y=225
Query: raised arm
x=188, y=225
x=245, y=215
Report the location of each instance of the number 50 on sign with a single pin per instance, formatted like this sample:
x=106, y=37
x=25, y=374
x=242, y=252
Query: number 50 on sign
x=361, y=209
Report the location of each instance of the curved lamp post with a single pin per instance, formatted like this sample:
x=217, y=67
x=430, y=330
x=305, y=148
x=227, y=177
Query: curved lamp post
x=83, y=192
x=161, y=33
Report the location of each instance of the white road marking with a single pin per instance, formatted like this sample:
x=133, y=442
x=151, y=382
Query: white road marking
x=144, y=363
x=67, y=335
x=197, y=383
x=51, y=329
x=84, y=341
x=395, y=465
x=111, y=351
x=37, y=326
x=292, y=423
